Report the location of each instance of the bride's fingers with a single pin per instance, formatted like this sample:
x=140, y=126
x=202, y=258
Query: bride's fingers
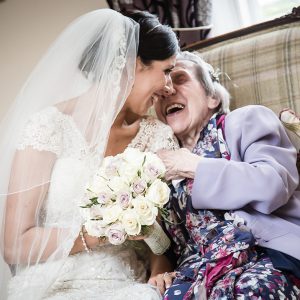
x=164, y=281
x=160, y=283
x=168, y=278
x=136, y=237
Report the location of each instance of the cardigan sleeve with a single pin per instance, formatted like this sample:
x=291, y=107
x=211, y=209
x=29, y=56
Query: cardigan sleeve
x=262, y=171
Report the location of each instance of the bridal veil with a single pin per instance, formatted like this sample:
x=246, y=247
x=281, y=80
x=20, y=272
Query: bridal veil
x=87, y=74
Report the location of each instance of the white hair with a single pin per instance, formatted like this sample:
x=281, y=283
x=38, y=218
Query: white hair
x=208, y=79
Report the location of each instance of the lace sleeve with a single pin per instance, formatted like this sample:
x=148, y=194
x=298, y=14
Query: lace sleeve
x=160, y=136
x=42, y=132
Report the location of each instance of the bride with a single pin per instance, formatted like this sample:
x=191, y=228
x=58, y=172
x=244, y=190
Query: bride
x=111, y=69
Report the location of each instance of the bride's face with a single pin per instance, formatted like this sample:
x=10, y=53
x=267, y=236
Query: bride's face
x=149, y=81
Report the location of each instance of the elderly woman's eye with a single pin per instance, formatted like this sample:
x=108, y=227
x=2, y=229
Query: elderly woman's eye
x=179, y=78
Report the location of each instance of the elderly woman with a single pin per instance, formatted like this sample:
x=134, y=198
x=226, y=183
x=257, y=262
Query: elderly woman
x=234, y=211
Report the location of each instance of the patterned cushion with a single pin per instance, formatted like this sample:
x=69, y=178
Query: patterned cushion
x=264, y=67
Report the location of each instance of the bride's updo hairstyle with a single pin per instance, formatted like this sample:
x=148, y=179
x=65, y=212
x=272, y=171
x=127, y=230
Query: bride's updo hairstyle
x=156, y=41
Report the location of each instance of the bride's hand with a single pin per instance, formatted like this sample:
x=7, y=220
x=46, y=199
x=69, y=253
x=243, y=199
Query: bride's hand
x=163, y=281
x=136, y=237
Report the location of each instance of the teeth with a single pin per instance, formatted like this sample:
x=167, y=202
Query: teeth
x=174, y=106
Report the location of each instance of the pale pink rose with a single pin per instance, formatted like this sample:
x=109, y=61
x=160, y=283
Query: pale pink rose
x=153, y=167
x=124, y=199
x=103, y=198
x=139, y=186
x=152, y=171
x=116, y=234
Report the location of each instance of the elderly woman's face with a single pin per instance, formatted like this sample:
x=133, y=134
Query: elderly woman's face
x=188, y=109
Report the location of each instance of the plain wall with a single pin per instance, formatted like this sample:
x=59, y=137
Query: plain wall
x=27, y=28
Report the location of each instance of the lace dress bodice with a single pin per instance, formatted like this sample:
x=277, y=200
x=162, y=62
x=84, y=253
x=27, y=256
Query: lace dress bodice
x=111, y=268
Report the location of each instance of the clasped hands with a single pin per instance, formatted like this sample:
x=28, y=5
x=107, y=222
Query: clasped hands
x=179, y=163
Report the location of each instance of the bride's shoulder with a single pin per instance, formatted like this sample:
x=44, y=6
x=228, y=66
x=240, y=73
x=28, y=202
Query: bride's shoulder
x=42, y=130
x=155, y=124
x=160, y=135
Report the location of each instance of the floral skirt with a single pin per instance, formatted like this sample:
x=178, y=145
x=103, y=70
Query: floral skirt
x=227, y=265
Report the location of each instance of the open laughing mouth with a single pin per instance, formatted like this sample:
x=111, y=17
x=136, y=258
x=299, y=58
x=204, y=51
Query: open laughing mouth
x=174, y=108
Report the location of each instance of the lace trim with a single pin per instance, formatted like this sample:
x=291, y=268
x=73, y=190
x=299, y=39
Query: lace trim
x=154, y=135
x=51, y=130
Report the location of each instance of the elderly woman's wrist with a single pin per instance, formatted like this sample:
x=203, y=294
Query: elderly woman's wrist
x=190, y=167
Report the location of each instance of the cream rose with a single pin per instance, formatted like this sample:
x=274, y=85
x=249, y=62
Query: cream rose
x=145, y=210
x=117, y=184
x=111, y=214
x=130, y=222
x=158, y=193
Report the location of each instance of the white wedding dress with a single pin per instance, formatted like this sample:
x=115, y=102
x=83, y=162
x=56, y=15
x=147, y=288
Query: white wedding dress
x=111, y=272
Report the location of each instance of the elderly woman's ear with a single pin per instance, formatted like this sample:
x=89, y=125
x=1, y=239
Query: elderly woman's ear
x=213, y=103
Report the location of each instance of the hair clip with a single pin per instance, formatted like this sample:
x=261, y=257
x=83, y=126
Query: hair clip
x=150, y=30
x=214, y=74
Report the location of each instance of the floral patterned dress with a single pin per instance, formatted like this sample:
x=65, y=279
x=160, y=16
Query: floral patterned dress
x=217, y=257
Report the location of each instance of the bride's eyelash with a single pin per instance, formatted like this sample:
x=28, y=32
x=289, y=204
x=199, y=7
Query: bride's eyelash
x=168, y=71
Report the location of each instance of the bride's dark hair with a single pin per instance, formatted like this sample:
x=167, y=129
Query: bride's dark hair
x=156, y=41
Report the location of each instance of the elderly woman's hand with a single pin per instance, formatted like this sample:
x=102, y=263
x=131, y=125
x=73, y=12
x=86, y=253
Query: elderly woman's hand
x=179, y=163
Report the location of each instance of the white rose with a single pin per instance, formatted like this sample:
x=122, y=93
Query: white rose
x=99, y=188
x=111, y=214
x=99, y=184
x=96, y=212
x=116, y=234
x=134, y=156
x=145, y=210
x=128, y=171
x=93, y=212
x=130, y=222
x=158, y=193
x=117, y=184
x=95, y=228
x=108, y=167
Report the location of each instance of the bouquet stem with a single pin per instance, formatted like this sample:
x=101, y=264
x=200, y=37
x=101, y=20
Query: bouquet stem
x=157, y=240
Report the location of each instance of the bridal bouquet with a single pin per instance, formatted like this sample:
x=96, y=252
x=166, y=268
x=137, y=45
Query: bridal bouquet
x=125, y=197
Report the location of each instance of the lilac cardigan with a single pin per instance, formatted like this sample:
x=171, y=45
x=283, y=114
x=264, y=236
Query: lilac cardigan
x=259, y=182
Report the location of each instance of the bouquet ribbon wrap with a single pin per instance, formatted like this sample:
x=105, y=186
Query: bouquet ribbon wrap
x=157, y=240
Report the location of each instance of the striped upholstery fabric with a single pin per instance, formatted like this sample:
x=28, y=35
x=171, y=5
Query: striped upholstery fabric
x=264, y=67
